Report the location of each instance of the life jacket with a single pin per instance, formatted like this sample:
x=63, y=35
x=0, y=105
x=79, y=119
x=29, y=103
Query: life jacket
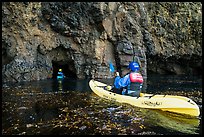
x=136, y=77
x=136, y=81
x=60, y=75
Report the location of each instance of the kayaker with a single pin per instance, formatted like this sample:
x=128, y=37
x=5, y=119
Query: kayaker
x=131, y=83
x=60, y=74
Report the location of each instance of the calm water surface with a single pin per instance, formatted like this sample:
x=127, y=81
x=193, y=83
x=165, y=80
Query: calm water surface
x=70, y=107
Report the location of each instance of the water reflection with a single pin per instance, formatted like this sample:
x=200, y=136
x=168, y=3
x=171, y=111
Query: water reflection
x=171, y=122
x=54, y=85
x=70, y=107
x=60, y=85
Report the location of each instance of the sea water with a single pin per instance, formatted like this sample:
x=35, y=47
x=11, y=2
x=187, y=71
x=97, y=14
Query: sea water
x=69, y=106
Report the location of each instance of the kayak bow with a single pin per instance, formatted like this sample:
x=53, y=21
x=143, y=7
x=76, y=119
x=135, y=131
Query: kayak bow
x=176, y=104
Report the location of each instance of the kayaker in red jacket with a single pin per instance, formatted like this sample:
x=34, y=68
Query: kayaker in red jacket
x=131, y=83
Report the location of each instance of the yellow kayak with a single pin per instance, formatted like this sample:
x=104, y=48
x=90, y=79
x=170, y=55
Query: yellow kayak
x=176, y=104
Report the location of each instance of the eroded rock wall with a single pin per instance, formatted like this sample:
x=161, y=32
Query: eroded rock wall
x=87, y=36
x=174, y=37
x=86, y=33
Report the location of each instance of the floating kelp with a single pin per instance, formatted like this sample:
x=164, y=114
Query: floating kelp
x=29, y=110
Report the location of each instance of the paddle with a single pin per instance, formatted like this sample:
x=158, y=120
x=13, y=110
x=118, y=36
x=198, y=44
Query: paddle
x=112, y=69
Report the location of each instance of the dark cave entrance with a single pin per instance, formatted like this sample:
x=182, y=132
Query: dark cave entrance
x=67, y=68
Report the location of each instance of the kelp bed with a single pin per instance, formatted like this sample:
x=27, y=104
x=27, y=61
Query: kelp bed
x=28, y=111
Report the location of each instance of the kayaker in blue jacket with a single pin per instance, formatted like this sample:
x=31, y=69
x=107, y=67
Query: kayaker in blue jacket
x=131, y=83
x=60, y=74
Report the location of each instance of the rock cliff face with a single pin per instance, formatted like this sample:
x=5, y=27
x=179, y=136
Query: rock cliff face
x=174, y=37
x=82, y=38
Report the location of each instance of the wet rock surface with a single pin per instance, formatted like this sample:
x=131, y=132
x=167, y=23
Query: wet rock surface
x=174, y=34
x=82, y=38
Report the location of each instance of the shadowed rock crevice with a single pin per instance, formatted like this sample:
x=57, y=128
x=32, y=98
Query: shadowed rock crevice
x=67, y=68
x=6, y=57
x=188, y=65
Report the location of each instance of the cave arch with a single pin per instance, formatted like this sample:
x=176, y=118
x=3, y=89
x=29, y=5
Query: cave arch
x=67, y=68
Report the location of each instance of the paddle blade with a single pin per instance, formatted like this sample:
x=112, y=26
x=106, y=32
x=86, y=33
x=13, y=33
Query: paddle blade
x=112, y=69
